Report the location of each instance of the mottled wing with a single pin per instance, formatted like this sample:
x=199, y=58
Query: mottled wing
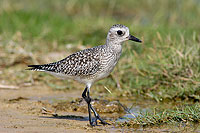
x=82, y=63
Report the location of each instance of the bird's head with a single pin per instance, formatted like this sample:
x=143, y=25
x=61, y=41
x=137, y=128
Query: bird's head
x=119, y=33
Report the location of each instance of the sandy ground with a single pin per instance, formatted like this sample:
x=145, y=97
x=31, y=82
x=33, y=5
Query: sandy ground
x=20, y=112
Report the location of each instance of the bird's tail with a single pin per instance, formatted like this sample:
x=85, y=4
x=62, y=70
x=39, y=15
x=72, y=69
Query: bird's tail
x=40, y=67
x=35, y=68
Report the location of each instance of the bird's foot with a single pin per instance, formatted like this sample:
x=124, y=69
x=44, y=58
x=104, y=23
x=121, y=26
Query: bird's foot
x=94, y=122
x=101, y=120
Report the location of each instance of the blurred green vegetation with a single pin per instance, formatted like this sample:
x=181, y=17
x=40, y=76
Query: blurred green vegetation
x=165, y=67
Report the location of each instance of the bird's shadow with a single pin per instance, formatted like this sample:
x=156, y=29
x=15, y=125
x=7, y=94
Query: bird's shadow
x=68, y=117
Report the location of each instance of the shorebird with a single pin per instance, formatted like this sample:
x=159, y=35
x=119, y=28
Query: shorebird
x=90, y=65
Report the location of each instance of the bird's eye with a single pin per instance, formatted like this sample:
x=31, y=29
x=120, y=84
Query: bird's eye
x=119, y=32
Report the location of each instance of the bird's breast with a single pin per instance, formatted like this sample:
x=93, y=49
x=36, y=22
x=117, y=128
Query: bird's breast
x=108, y=63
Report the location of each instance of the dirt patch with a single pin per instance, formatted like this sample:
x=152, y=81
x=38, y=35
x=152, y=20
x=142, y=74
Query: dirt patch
x=22, y=110
x=101, y=106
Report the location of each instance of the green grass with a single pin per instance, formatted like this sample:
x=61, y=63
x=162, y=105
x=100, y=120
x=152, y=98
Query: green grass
x=165, y=67
x=166, y=72
x=182, y=115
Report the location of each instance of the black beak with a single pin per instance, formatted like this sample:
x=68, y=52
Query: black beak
x=134, y=38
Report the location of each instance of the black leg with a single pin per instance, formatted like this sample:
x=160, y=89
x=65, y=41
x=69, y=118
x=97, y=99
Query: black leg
x=86, y=96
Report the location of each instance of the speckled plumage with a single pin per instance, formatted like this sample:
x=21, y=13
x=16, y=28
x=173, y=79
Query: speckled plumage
x=84, y=66
x=90, y=65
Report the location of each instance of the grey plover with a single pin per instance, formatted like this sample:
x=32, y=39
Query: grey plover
x=90, y=65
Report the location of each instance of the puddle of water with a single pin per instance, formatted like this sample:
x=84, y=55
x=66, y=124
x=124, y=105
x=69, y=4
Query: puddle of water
x=135, y=107
x=133, y=112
